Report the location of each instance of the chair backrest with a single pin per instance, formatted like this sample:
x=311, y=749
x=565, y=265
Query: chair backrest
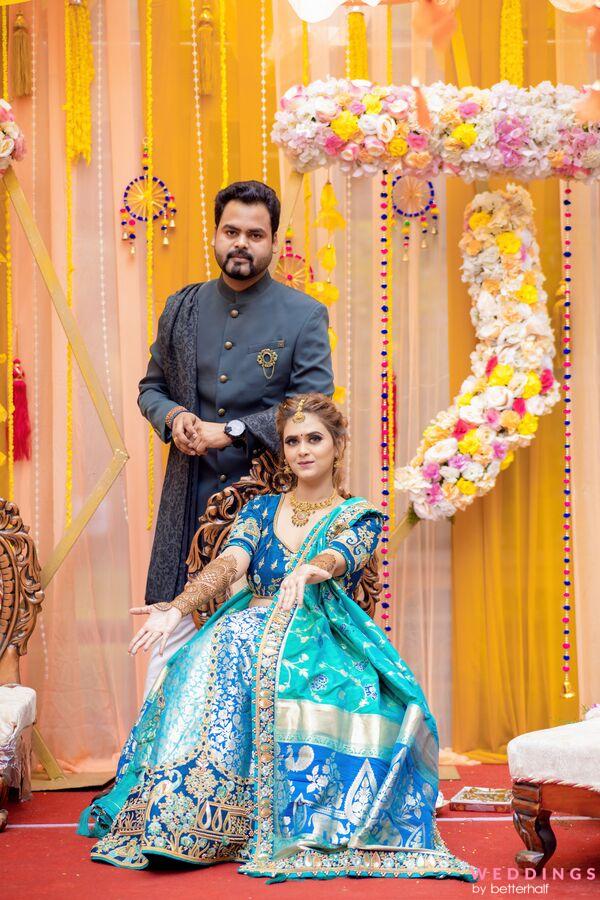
x=21, y=593
x=222, y=508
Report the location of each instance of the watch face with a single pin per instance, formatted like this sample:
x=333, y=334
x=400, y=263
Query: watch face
x=235, y=428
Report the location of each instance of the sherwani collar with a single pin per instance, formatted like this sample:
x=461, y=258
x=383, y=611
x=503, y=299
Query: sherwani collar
x=256, y=290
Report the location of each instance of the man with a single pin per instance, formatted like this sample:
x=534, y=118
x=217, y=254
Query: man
x=226, y=354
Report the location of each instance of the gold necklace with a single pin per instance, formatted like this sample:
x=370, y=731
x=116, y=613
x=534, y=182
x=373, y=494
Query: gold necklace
x=303, y=509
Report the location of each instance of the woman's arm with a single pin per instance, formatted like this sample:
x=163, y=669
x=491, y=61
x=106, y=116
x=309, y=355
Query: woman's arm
x=200, y=589
x=325, y=565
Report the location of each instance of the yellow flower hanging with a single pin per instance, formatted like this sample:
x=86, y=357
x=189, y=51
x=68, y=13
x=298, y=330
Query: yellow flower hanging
x=323, y=291
x=339, y=395
x=327, y=257
x=329, y=216
x=333, y=339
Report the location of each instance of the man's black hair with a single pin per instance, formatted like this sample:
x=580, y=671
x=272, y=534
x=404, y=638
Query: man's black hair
x=249, y=192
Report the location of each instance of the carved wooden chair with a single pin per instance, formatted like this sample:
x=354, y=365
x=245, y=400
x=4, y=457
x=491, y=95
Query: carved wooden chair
x=21, y=596
x=222, y=508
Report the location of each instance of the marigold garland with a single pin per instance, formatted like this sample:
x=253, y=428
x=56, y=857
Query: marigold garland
x=511, y=42
x=224, y=96
x=357, y=57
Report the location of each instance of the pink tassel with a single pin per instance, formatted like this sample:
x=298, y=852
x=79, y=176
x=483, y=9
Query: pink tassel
x=21, y=422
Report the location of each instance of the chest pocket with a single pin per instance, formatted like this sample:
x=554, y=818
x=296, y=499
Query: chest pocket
x=269, y=362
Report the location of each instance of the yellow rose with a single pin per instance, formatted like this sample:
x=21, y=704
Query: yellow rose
x=466, y=487
x=479, y=220
x=508, y=459
x=345, y=125
x=470, y=443
x=508, y=242
x=527, y=293
x=533, y=386
x=510, y=420
x=465, y=134
x=500, y=376
x=373, y=104
x=397, y=146
x=465, y=399
x=529, y=424
x=433, y=434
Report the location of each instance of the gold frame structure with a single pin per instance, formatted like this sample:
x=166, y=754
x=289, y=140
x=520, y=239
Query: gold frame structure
x=101, y=405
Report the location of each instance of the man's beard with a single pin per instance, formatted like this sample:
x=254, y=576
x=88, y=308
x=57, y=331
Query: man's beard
x=233, y=267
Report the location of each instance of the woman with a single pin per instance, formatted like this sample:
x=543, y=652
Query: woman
x=287, y=735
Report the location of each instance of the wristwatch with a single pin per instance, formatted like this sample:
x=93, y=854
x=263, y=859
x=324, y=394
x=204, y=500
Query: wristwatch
x=236, y=430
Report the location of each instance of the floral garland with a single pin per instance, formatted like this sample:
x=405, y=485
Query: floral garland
x=12, y=141
x=497, y=410
x=504, y=130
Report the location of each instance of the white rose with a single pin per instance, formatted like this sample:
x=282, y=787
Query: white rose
x=536, y=405
x=397, y=107
x=368, y=123
x=325, y=109
x=472, y=413
x=498, y=397
x=410, y=479
x=493, y=469
x=508, y=356
x=441, y=510
x=513, y=334
x=386, y=128
x=472, y=471
x=450, y=474
x=468, y=385
x=11, y=129
x=489, y=332
x=517, y=383
x=7, y=146
x=441, y=451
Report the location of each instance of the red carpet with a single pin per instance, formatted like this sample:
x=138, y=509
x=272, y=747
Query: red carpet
x=53, y=862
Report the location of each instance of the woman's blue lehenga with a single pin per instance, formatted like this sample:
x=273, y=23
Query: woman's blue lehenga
x=296, y=743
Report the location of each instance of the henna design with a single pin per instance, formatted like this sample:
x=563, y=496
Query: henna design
x=325, y=561
x=212, y=581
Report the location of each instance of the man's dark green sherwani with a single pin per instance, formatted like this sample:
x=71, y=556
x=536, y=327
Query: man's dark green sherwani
x=205, y=358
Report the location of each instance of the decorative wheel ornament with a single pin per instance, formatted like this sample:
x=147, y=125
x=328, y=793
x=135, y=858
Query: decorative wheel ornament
x=142, y=202
x=291, y=268
x=413, y=198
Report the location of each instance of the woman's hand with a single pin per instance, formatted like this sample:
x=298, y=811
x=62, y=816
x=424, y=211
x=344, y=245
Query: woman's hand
x=292, y=587
x=159, y=626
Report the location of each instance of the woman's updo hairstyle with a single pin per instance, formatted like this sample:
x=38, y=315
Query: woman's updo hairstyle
x=328, y=414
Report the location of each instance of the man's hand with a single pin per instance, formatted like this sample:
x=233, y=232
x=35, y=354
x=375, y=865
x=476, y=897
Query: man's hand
x=210, y=435
x=187, y=435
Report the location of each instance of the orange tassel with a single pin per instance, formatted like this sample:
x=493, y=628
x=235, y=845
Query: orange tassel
x=21, y=422
x=436, y=21
x=423, y=117
x=587, y=109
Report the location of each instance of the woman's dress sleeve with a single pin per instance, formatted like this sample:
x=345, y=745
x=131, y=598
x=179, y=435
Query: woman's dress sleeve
x=246, y=529
x=358, y=542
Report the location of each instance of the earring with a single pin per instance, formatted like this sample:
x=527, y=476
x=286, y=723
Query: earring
x=336, y=463
x=286, y=469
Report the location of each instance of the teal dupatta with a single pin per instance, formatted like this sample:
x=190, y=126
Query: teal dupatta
x=344, y=747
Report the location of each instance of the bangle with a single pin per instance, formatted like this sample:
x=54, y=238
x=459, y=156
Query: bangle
x=170, y=416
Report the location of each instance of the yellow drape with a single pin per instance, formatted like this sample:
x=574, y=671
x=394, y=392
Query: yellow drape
x=175, y=156
x=507, y=548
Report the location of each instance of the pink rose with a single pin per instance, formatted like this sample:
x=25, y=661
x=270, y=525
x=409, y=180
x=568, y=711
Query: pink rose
x=397, y=108
x=547, y=379
x=374, y=146
x=326, y=109
x=460, y=429
x=468, y=109
x=492, y=417
x=416, y=141
x=20, y=148
x=289, y=101
x=431, y=471
x=333, y=144
x=519, y=406
x=357, y=108
x=434, y=494
x=500, y=449
x=492, y=363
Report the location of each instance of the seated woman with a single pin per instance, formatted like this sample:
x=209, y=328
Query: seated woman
x=287, y=735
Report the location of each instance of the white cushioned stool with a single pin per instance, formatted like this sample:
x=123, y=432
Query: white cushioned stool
x=554, y=770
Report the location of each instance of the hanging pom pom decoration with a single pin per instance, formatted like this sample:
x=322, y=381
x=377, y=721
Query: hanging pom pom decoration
x=567, y=690
x=21, y=58
x=205, y=32
x=21, y=421
x=291, y=268
x=331, y=220
x=414, y=200
x=357, y=62
x=141, y=203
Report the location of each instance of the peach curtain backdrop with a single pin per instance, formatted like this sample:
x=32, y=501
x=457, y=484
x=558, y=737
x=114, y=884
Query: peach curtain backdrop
x=88, y=688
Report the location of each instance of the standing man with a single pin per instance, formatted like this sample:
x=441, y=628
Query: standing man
x=227, y=352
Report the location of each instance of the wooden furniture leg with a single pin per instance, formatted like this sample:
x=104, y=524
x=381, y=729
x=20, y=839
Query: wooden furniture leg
x=532, y=822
